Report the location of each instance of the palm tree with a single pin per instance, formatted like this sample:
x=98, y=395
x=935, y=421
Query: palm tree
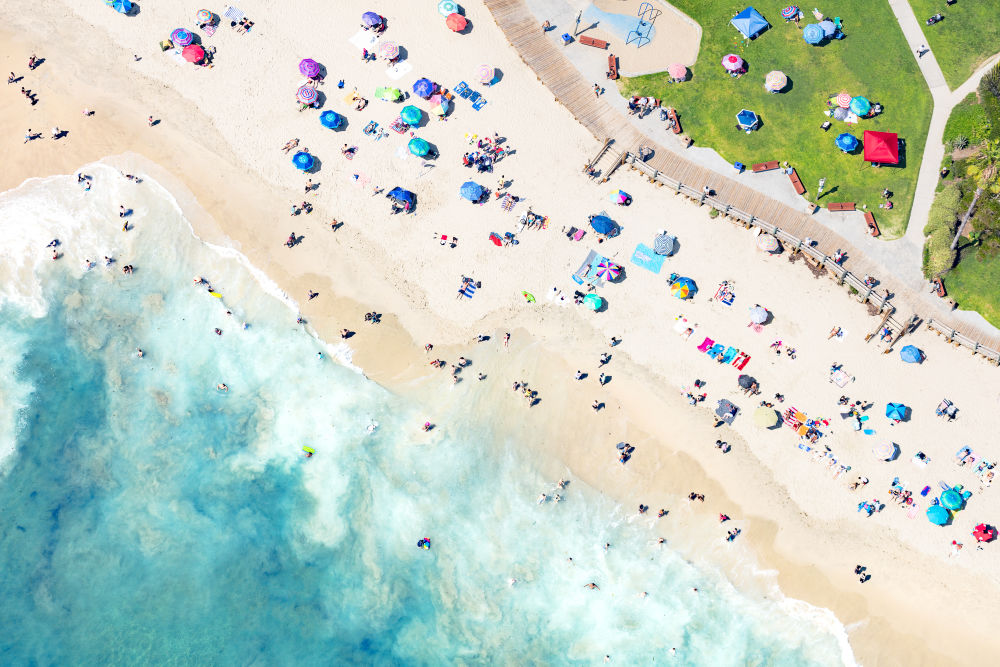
x=985, y=170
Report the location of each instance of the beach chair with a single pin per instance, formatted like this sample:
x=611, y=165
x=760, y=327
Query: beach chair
x=707, y=343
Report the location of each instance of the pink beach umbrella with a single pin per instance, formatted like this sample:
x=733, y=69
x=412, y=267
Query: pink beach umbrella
x=306, y=95
x=485, y=73
x=732, y=62
x=388, y=50
x=844, y=100
x=309, y=67
x=677, y=71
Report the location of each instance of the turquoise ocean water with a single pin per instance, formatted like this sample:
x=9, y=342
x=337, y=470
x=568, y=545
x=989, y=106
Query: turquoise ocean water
x=146, y=517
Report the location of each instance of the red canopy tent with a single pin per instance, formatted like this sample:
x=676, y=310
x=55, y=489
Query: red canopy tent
x=984, y=533
x=881, y=147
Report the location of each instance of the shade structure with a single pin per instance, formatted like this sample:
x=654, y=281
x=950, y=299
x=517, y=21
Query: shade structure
x=330, y=119
x=593, y=301
x=120, y=6
x=775, y=81
x=306, y=95
x=410, y=115
x=846, y=142
x=789, y=12
x=204, y=16
x=952, y=499
x=758, y=314
x=456, y=22
x=732, y=62
x=303, y=161
x=682, y=288
x=193, y=53
x=768, y=243
x=388, y=50
x=747, y=119
x=419, y=147
x=447, y=7
x=402, y=196
x=844, y=100
x=485, y=74
x=619, y=197
x=828, y=28
x=181, y=37
x=388, y=94
x=677, y=71
x=911, y=354
x=749, y=22
x=664, y=244
x=371, y=19
x=881, y=147
x=746, y=381
x=726, y=411
x=765, y=417
x=608, y=270
x=602, y=224
x=884, y=451
x=895, y=411
x=861, y=106
x=813, y=34
x=984, y=533
x=840, y=113
x=471, y=190
x=439, y=105
x=309, y=67
x=938, y=515
x=423, y=88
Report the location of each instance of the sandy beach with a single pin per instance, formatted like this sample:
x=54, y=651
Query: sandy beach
x=217, y=147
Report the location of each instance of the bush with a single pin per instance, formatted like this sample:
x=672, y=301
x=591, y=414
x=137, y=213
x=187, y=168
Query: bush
x=714, y=213
x=959, y=142
x=938, y=255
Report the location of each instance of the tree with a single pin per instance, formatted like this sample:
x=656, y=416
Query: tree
x=990, y=82
x=985, y=171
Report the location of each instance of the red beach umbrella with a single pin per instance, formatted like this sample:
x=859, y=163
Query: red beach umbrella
x=193, y=53
x=456, y=22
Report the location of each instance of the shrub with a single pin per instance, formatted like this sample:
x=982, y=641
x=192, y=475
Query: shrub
x=714, y=213
x=938, y=255
x=959, y=142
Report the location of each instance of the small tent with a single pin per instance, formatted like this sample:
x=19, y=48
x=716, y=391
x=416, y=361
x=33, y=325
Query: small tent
x=881, y=147
x=750, y=23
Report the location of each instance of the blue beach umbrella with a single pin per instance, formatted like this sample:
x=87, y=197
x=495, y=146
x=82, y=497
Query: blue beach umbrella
x=402, y=196
x=895, y=411
x=861, y=106
x=813, y=34
x=846, y=142
x=410, y=114
x=303, y=161
x=826, y=25
x=330, y=119
x=471, y=190
x=952, y=500
x=747, y=119
x=371, y=19
x=120, y=6
x=682, y=288
x=938, y=515
x=911, y=355
x=602, y=224
x=423, y=88
x=419, y=147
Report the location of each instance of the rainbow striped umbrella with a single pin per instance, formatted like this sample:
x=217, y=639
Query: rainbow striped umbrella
x=789, y=12
x=439, y=105
x=485, y=73
x=204, y=16
x=732, y=62
x=181, y=37
x=388, y=50
x=844, y=100
x=682, y=288
x=608, y=270
x=306, y=95
x=775, y=81
x=309, y=67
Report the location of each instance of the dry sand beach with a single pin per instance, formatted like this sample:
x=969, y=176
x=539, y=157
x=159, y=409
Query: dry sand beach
x=217, y=147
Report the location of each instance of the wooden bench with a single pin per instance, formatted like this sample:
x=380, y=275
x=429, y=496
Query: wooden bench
x=612, y=67
x=590, y=41
x=872, y=225
x=672, y=115
x=796, y=183
x=764, y=166
x=840, y=206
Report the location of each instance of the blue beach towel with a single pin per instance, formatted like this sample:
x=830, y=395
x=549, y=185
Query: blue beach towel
x=647, y=259
x=462, y=89
x=716, y=350
x=469, y=290
x=729, y=355
x=479, y=104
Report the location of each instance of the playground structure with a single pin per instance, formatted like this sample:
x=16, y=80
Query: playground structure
x=647, y=16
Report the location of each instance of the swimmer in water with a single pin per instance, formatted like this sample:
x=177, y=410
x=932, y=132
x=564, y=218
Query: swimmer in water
x=222, y=387
x=427, y=426
x=557, y=497
x=592, y=586
x=542, y=498
x=218, y=331
x=319, y=355
x=138, y=352
x=512, y=582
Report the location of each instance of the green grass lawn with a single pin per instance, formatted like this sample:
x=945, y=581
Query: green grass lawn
x=967, y=119
x=873, y=61
x=973, y=284
x=969, y=35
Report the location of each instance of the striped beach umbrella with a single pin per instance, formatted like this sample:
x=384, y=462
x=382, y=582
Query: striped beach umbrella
x=732, y=62
x=309, y=67
x=677, y=71
x=371, y=19
x=181, y=37
x=813, y=34
x=446, y=7
x=775, y=81
x=388, y=50
x=861, y=106
x=767, y=243
x=306, y=95
x=844, y=100
x=439, y=105
x=410, y=114
x=485, y=74
x=608, y=270
x=204, y=16
x=789, y=12
x=419, y=147
x=456, y=22
x=682, y=288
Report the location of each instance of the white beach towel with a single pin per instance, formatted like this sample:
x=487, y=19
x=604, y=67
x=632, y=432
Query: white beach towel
x=399, y=70
x=364, y=39
x=234, y=13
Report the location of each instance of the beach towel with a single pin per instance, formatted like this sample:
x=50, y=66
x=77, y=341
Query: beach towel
x=398, y=126
x=912, y=514
x=645, y=257
x=209, y=30
x=399, y=70
x=707, y=343
x=364, y=39
x=756, y=327
x=469, y=290
x=579, y=234
x=716, y=350
x=479, y=104
x=234, y=13
x=681, y=324
x=840, y=378
x=729, y=354
x=462, y=89
x=741, y=360
x=473, y=96
x=507, y=203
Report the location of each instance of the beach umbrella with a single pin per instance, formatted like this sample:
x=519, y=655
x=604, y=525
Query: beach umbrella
x=765, y=417
x=371, y=19
x=193, y=53
x=602, y=224
x=843, y=100
x=775, y=81
x=747, y=119
x=410, y=114
x=330, y=119
x=841, y=113
x=204, y=16
x=181, y=37
x=306, y=95
x=619, y=197
x=303, y=161
x=911, y=355
x=895, y=411
x=767, y=243
x=732, y=62
x=402, y=196
x=789, y=12
x=439, y=105
x=446, y=7
x=952, y=500
x=388, y=94
x=938, y=515
x=884, y=451
x=388, y=50
x=456, y=22
x=846, y=142
x=758, y=314
x=746, y=381
x=828, y=27
x=861, y=106
x=682, y=288
x=813, y=34
x=309, y=67
x=471, y=190
x=608, y=270
x=120, y=6
x=419, y=147
x=663, y=244
x=423, y=88
x=593, y=301
x=485, y=74
x=984, y=533
x=726, y=411
x=677, y=71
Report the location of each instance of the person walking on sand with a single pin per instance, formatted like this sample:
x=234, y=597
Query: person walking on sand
x=506, y=336
x=150, y=121
x=11, y=79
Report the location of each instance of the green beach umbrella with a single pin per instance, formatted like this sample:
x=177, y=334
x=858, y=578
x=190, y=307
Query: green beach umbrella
x=410, y=114
x=419, y=147
x=388, y=94
x=593, y=301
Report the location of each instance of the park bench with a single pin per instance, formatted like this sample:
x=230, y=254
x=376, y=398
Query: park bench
x=796, y=183
x=612, y=67
x=764, y=166
x=840, y=206
x=590, y=41
x=872, y=225
x=672, y=115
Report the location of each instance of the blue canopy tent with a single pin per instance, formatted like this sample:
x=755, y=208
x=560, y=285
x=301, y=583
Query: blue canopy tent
x=303, y=161
x=750, y=23
x=602, y=224
x=911, y=355
x=938, y=515
x=846, y=142
x=813, y=34
x=330, y=119
x=747, y=119
x=471, y=190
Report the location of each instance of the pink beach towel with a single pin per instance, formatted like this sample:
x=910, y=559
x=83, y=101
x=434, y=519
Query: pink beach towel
x=579, y=234
x=707, y=343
